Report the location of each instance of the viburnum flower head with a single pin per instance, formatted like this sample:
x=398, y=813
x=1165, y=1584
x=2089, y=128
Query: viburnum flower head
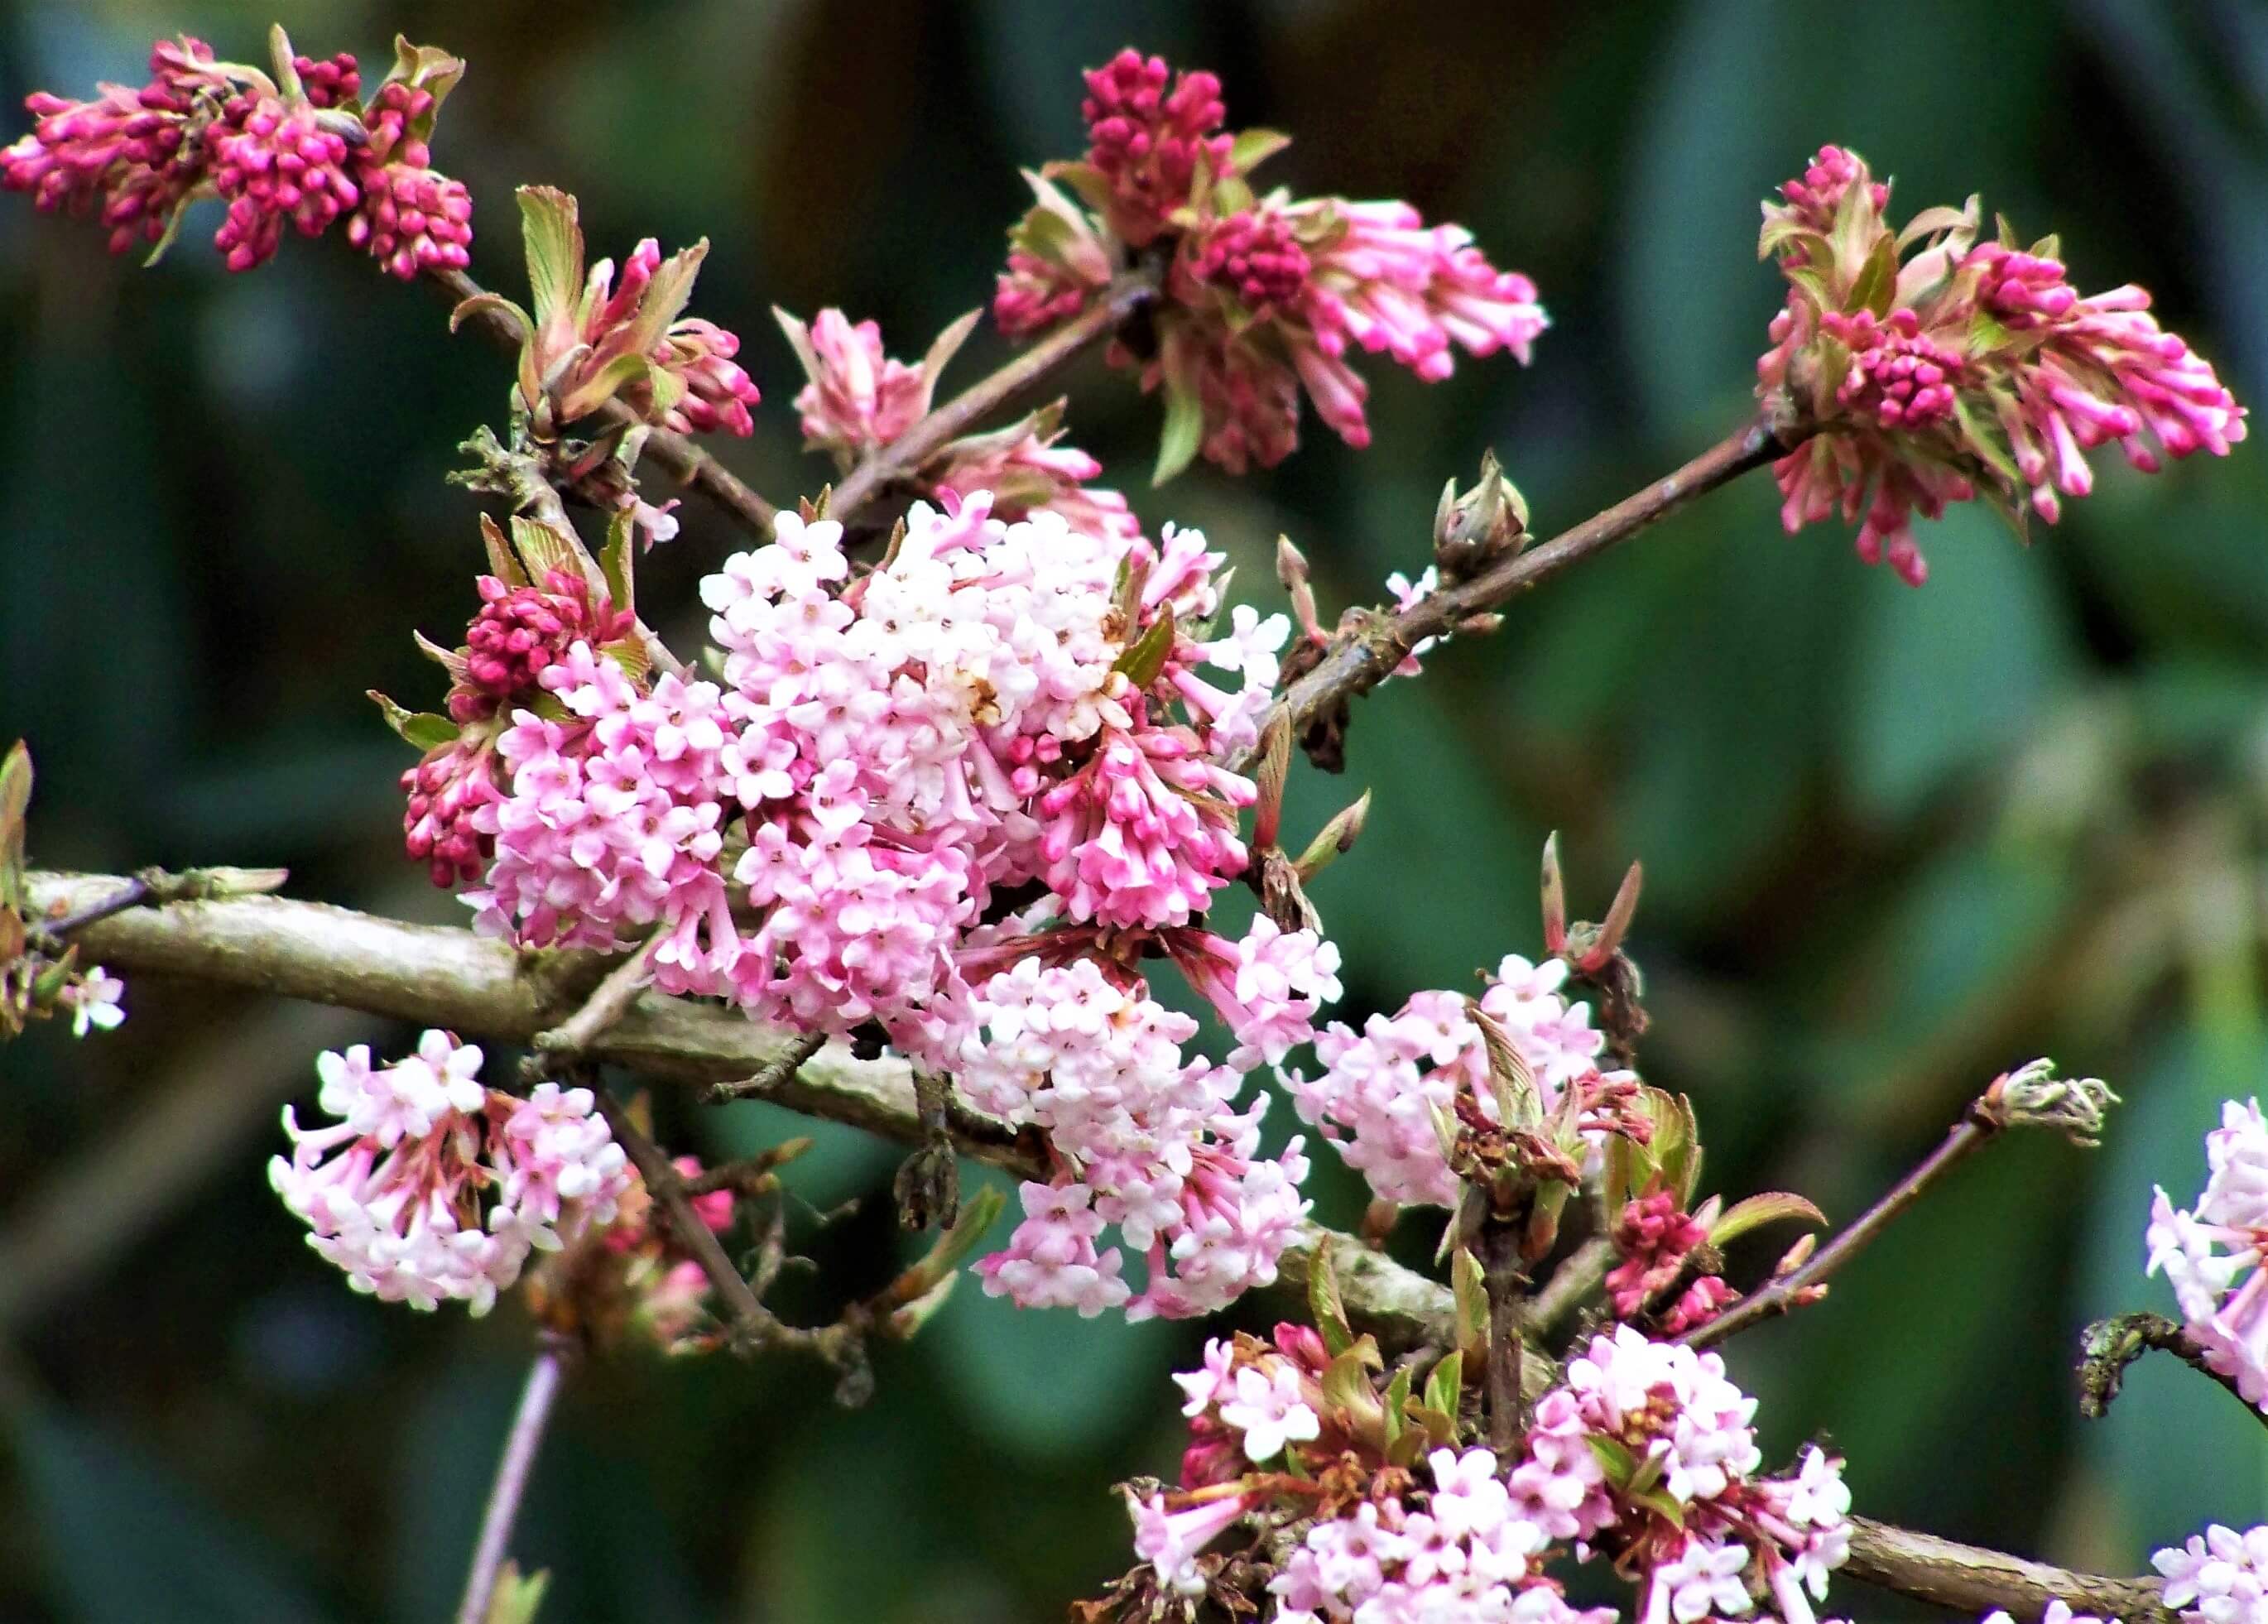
x=430, y=1187
x=1380, y=1089
x=2215, y=1253
x=1263, y=295
x=292, y=146
x=1931, y=366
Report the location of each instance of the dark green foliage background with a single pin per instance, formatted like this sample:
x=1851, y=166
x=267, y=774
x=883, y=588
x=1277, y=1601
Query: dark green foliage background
x=1894, y=841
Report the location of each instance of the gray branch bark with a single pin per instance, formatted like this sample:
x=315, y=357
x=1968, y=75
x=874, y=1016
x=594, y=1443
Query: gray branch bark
x=437, y=976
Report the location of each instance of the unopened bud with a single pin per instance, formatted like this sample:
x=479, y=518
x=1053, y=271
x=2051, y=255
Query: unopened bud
x=1484, y=523
x=1337, y=838
x=1795, y=1257
x=1555, y=897
x=1291, y=570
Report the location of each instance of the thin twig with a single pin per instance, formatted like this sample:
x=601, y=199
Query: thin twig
x=758, y=1325
x=512, y=1469
x=1970, y=1578
x=1366, y=651
x=763, y=1081
x=1807, y=1285
x=2108, y=1346
x=677, y=455
x=904, y=456
x=571, y=1039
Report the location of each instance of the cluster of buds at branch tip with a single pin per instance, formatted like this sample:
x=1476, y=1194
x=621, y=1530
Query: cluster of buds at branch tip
x=1265, y=296
x=2032, y=1096
x=1474, y=529
x=587, y=343
x=297, y=144
x=857, y=400
x=1935, y=367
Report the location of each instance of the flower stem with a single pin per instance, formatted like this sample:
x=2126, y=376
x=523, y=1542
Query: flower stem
x=1364, y=653
x=2108, y=1346
x=1974, y=1130
x=512, y=1469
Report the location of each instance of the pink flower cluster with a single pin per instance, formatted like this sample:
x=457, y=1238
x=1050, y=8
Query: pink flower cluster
x=521, y=632
x=2216, y=1253
x=2220, y=1577
x=1152, y=1143
x=997, y=707
x=1380, y=1089
x=1971, y=365
x=614, y=822
x=296, y=148
x=1471, y=1556
x=1645, y=1455
x=1640, y=1419
x=1655, y=1236
x=430, y=1186
x=1265, y=297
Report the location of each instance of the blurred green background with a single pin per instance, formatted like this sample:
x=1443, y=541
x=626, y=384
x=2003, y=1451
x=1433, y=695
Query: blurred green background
x=1895, y=842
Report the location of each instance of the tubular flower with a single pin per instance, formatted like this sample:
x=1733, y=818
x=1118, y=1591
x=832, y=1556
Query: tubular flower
x=295, y=146
x=1262, y=296
x=1935, y=366
x=2216, y=1253
x=430, y=1186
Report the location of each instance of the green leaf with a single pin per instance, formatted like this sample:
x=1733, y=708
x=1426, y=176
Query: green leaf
x=1755, y=1211
x=1397, y=1399
x=1324, y=1305
x=1255, y=147
x=1147, y=656
x=1618, y=1462
x=1184, y=428
x=1445, y=1386
x=543, y=550
x=515, y=1598
x=1878, y=278
x=1470, y=1285
x=421, y=728
x=614, y=563
x=553, y=236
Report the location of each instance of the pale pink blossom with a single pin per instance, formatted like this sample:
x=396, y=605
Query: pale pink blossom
x=430, y=1187
x=2216, y=1254
x=92, y=996
x=2220, y=1576
x=1378, y=1089
x=1170, y=1541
